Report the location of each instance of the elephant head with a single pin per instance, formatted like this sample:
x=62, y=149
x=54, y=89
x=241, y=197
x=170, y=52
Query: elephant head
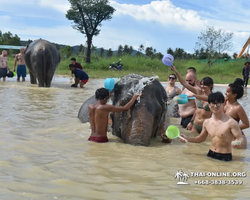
x=146, y=117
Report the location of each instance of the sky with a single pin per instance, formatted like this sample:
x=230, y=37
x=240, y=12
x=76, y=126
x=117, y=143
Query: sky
x=157, y=24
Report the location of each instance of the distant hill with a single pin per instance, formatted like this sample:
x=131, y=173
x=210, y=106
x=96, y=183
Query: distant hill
x=76, y=48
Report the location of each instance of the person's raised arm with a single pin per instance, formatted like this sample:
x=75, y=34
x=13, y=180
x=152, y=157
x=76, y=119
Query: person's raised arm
x=243, y=117
x=201, y=97
x=112, y=108
x=184, y=83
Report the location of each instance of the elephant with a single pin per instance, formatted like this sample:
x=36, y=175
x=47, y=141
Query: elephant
x=42, y=59
x=146, y=118
x=83, y=113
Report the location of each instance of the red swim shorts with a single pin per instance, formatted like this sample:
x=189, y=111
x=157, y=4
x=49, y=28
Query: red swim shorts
x=85, y=81
x=98, y=139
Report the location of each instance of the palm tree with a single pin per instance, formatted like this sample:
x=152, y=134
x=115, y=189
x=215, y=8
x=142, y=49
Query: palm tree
x=141, y=48
x=185, y=177
x=179, y=175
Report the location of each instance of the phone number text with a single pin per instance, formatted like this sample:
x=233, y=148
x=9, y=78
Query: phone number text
x=218, y=182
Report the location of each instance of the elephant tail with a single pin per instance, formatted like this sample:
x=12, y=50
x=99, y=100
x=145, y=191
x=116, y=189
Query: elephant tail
x=44, y=66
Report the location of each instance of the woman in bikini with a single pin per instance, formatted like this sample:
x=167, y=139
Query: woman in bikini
x=202, y=111
x=173, y=91
x=232, y=107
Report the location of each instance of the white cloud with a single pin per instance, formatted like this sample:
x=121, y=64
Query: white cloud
x=60, y=5
x=161, y=11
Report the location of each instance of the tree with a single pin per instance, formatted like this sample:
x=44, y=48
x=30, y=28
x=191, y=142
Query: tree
x=214, y=40
x=87, y=16
x=9, y=39
x=126, y=50
x=101, y=52
x=170, y=51
x=66, y=51
x=130, y=50
x=149, y=52
x=141, y=48
x=119, y=51
x=110, y=53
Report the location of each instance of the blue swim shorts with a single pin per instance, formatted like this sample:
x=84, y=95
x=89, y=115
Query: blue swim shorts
x=3, y=72
x=21, y=71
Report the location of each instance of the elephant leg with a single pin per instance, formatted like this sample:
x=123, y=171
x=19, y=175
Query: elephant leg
x=48, y=80
x=41, y=81
x=32, y=79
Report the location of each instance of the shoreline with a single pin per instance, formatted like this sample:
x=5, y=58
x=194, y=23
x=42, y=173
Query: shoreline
x=164, y=82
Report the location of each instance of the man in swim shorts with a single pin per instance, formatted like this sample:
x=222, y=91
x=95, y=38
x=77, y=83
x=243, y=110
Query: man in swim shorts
x=99, y=112
x=3, y=65
x=187, y=110
x=21, y=67
x=80, y=76
x=221, y=128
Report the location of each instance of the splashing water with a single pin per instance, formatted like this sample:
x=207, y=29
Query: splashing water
x=136, y=87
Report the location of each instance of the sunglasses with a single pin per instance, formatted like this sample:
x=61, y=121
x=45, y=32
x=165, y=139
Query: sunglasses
x=173, y=78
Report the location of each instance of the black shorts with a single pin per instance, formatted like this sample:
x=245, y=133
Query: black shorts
x=185, y=121
x=3, y=72
x=220, y=156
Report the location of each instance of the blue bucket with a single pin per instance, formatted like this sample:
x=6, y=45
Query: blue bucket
x=109, y=84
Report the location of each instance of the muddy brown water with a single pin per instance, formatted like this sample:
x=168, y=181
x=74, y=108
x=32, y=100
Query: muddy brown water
x=44, y=153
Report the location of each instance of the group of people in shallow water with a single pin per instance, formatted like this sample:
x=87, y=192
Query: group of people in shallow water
x=210, y=114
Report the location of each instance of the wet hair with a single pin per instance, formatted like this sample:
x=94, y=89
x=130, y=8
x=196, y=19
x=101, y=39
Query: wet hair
x=73, y=59
x=237, y=87
x=71, y=65
x=173, y=75
x=192, y=68
x=101, y=93
x=216, y=97
x=208, y=81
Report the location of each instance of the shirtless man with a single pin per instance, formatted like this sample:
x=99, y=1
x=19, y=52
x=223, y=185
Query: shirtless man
x=4, y=67
x=221, y=128
x=21, y=68
x=187, y=110
x=99, y=112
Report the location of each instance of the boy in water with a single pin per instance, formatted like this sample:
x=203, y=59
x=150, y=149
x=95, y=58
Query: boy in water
x=80, y=76
x=221, y=128
x=99, y=112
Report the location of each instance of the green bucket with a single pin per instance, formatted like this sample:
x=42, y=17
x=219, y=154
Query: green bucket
x=172, y=132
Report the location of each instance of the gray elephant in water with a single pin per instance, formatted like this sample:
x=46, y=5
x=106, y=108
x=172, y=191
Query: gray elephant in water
x=42, y=59
x=145, y=119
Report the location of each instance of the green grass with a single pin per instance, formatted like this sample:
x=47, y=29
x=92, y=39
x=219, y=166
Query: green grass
x=224, y=72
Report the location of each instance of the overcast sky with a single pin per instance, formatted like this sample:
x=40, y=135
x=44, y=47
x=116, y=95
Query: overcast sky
x=158, y=24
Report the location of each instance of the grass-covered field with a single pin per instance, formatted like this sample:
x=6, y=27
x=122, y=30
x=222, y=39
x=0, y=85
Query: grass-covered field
x=224, y=72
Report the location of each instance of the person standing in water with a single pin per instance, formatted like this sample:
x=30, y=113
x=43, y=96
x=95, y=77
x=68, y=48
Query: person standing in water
x=221, y=128
x=173, y=91
x=245, y=73
x=4, y=67
x=232, y=107
x=21, y=67
x=99, y=113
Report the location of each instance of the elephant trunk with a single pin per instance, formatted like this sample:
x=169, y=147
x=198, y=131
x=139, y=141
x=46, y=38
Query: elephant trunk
x=141, y=131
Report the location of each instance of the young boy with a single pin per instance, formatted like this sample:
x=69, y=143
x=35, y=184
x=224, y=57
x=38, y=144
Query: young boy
x=99, y=112
x=221, y=128
x=79, y=76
